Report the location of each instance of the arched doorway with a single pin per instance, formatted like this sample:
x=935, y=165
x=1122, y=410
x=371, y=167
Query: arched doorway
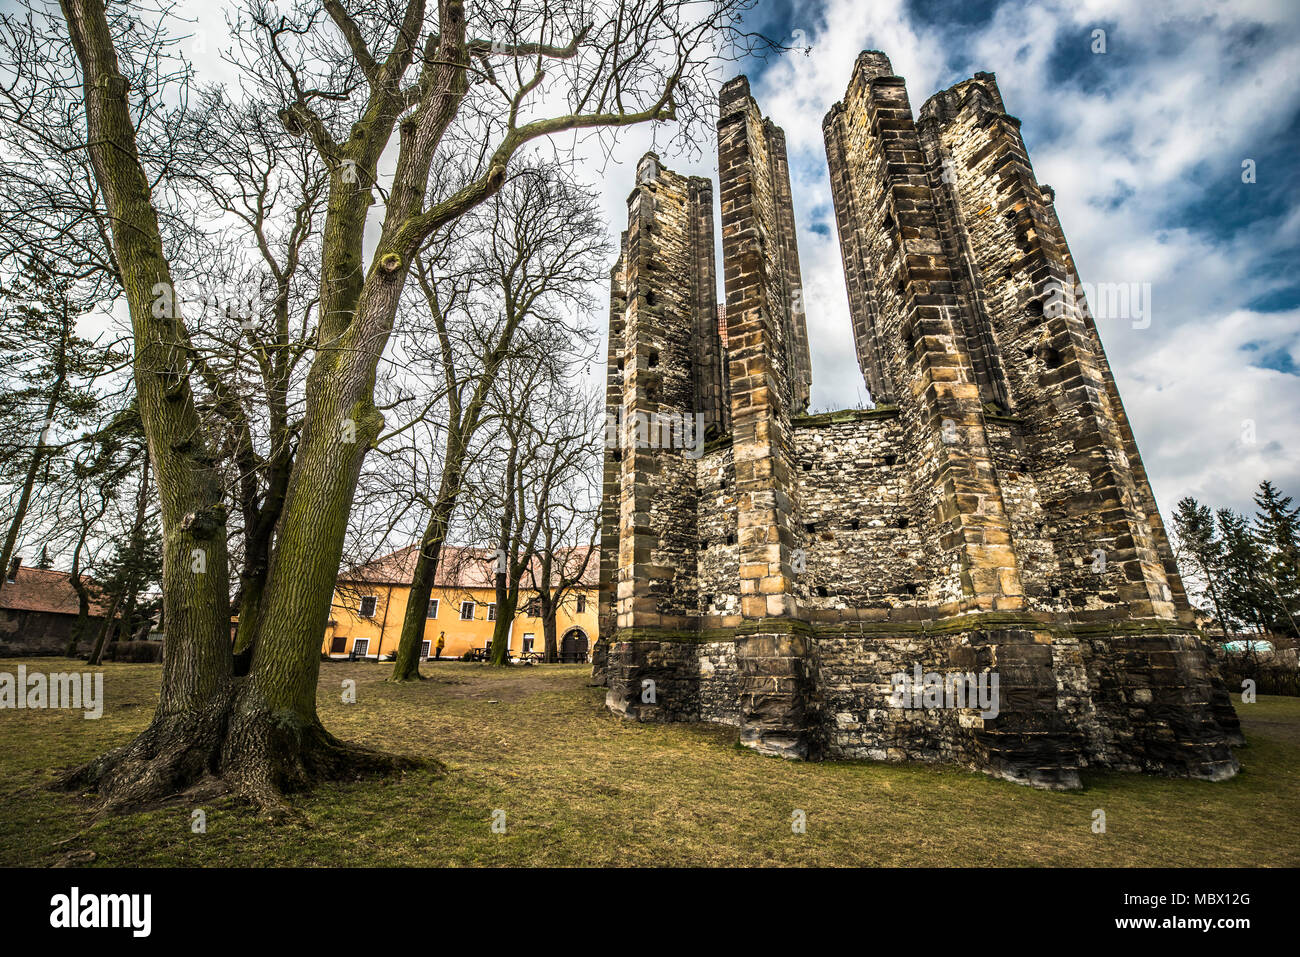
x=574, y=646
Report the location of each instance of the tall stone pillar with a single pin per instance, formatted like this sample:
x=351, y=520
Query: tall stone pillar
x=610, y=520
x=887, y=210
x=763, y=351
x=666, y=373
x=1085, y=474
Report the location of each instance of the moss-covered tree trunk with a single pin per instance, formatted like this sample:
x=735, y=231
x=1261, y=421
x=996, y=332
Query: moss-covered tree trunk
x=259, y=735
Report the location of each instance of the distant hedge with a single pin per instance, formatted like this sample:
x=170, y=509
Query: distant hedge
x=1268, y=678
x=138, y=651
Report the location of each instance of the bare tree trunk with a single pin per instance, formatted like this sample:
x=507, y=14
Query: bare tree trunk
x=97, y=652
x=506, y=604
x=549, y=633
x=80, y=626
x=406, y=666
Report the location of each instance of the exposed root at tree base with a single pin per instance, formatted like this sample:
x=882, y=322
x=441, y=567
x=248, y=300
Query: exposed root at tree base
x=228, y=750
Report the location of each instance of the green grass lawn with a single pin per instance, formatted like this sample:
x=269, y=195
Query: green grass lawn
x=582, y=787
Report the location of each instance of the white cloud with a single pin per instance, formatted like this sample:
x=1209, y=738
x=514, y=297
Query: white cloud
x=1188, y=102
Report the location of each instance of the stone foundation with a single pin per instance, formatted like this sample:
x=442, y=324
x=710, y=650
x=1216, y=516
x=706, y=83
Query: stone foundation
x=1069, y=698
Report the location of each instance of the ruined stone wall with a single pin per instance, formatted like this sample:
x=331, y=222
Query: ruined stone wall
x=781, y=580
x=719, y=555
x=758, y=350
x=860, y=280
x=786, y=244
x=1146, y=498
x=860, y=528
x=1031, y=531
x=611, y=482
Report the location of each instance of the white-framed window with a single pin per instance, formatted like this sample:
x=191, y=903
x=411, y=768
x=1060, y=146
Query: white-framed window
x=432, y=611
x=467, y=611
x=528, y=642
x=424, y=649
x=368, y=605
x=360, y=647
x=582, y=604
x=492, y=611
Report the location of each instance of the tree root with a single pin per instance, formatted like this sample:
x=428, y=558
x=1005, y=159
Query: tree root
x=394, y=679
x=227, y=750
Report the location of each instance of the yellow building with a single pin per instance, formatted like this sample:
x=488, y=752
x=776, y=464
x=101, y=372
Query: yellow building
x=370, y=604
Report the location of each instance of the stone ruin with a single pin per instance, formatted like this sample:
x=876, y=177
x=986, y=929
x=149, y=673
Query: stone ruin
x=988, y=517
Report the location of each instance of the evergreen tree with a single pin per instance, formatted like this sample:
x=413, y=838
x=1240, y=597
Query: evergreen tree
x=1277, y=529
x=1244, y=594
x=1202, y=552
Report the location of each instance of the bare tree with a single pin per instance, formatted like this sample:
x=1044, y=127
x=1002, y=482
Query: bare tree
x=568, y=545
x=545, y=441
x=349, y=80
x=535, y=251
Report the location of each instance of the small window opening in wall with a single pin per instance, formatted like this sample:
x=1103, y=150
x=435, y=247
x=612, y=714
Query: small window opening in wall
x=910, y=588
x=807, y=466
x=854, y=525
x=651, y=299
x=731, y=539
x=810, y=527
x=652, y=359
x=620, y=365
x=891, y=459
x=1056, y=591
x=889, y=221
x=1035, y=308
x=706, y=600
x=618, y=455
x=822, y=592
x=902, y=523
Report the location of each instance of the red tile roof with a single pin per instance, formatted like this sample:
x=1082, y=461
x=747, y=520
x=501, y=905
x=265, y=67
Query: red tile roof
x=44, y=590
x=458, y=567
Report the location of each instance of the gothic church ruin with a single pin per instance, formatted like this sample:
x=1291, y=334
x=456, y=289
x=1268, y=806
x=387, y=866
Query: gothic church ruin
x=990, y=516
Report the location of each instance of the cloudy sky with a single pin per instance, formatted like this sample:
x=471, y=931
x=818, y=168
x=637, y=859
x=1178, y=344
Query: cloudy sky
x=1144, y=144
